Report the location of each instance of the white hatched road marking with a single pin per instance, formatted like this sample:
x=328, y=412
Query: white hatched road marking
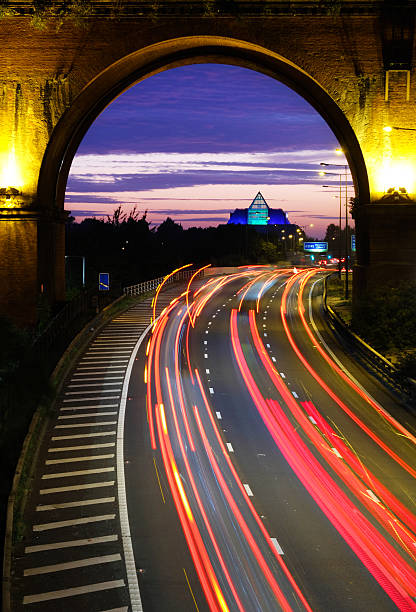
x=71, y=543
x=81, y=447
x=82, y=520
x=92, y=399
x=95, y=406
x=59, y=567
x=93, y=424
x=77, y=473
x=86, y=435
x=88, y=588
x=87, y=414
x=84, y=502
x=79, y=487
x=76, y=459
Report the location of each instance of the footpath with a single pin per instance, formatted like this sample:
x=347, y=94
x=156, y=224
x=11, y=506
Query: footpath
x=75, y=549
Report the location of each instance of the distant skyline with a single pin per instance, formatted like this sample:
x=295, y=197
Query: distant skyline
x=195, y=142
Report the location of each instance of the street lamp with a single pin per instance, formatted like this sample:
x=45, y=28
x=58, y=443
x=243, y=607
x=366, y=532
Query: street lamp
x=83, y=266
x=345, y=167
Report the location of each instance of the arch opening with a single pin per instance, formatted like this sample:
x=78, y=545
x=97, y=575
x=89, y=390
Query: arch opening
x=132, y=69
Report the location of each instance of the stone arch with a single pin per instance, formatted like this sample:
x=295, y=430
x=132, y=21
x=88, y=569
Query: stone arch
x=137, y=66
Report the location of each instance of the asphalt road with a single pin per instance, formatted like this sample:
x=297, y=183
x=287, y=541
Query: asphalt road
x=265, y=469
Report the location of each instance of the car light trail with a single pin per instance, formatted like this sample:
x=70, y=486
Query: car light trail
x=163, y=283
x=188, y=288
x=403, y=431
x=196, y=547
x=331, y=393
x=380, y=558
x=399, y=531
x=247, y=499
x=198, y=498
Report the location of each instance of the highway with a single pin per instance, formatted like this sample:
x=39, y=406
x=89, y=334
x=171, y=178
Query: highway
x=266, y=470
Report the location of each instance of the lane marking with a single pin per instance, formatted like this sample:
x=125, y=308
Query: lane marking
x=76, y=459
x=336, y=452
x=295, y=394
x=218, y=415
x=277, y=546
x=274, y=359
x=265, y=335
x=78, y=521
x=207, y=371
x=84, y=502
x=88, y=588
x=211, y=390
x=230, y=447
x=312, y=420
x=98, y=384
x=190, y=589
x=79, y=487
x=71, y=543
x=268, y=345
x=77, y=473
x=94, y=379
x=91, y=399
x=93, y=424
x=282, y=374
x=80, y=447
x=206, y=355
x=85, y=435
x=89, y=407
x=88, y=414
x=59, y=567
x=373, y=496
x=248, y=490
x=91, y=391
x=158, y=479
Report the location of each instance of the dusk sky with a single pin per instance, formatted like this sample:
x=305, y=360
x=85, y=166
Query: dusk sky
x=196, y=142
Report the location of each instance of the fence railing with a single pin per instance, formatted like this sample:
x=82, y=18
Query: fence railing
x=364, y=350
x=153, y=284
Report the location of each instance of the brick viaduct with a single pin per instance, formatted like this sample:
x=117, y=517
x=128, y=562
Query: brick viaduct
x=351, y=59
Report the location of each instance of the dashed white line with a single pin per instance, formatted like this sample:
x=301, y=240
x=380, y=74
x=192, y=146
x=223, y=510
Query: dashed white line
x=274, y=359
x=211, y=390
x=295, y=394
x=248, y=490
x=207, y=371
x=312, y=420
x=219, y=417
x=282, y=374
x=230, y=447
x=277, y=546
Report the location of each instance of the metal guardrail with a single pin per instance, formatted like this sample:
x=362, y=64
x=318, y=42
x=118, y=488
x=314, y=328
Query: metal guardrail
x=379, y=363
x=153, y=284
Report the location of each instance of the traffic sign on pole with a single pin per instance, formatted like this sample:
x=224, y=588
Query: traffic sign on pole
x=104, y=281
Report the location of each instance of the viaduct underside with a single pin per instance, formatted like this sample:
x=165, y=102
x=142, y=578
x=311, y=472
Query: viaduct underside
x=62, y=63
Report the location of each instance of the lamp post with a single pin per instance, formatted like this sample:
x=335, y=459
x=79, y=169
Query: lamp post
x=345, y=167
x=83, y=265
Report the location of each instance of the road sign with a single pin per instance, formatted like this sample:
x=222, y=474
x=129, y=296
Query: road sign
x=352, y=242
x=104, y=281
x=315, y=247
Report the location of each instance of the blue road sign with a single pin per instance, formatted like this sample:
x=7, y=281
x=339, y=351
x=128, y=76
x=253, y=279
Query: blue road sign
x=353, y=242
x=315, y=247
x=104, y=281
